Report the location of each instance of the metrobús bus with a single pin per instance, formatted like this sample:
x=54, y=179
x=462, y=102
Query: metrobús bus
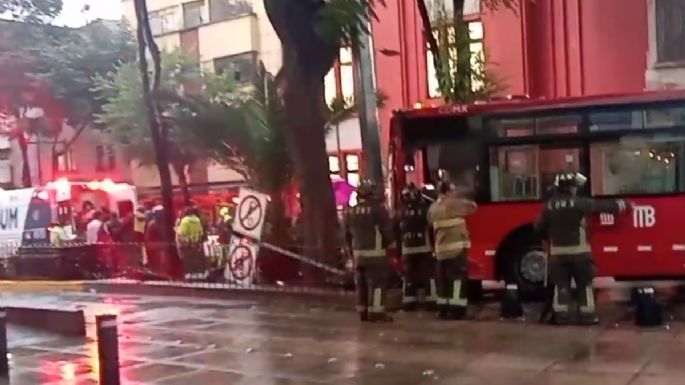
x=506, y=153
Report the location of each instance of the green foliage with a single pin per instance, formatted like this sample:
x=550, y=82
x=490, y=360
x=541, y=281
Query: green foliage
x=72, y=66
x=461, y=78
x=123, y=111
x=35, y=11
x=344, y=20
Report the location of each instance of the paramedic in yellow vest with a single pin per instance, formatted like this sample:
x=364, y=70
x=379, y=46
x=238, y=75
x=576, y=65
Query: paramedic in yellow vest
x=190, y=235
x=369, y=232
x=139, y=223
x=450, y=239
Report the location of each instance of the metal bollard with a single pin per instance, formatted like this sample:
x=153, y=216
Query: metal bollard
x=108, y=349
x=4, y=364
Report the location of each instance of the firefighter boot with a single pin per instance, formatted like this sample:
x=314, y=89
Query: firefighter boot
x=561, y=318
x=588, y=319
x=456, y=313
x=442, y=311
x=380, y=317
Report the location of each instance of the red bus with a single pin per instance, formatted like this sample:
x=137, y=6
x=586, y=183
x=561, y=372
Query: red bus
x=506, y=153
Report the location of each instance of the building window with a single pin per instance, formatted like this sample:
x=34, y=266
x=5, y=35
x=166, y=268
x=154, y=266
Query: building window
x=339, y=82
x=105, y=158
x=164, y=21
x=220, y=10
x=65, y=162
x=241, y=67
x=638, y=166
x=352, y=169
x=476, y=49
x=349, y=169
x=192, y=14
x=670, y=18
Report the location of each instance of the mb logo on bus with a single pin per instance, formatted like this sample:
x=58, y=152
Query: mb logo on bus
x=644, y=216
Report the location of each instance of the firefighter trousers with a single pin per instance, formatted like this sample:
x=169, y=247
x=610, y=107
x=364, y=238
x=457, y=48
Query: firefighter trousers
x=563, y=269
x=452, y=276
x=419, y=273
x=371, y=281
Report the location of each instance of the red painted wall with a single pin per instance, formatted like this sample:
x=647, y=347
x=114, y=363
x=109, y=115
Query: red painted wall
x=547, y=48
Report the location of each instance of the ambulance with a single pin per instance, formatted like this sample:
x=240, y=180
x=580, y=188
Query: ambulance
x=26, y=214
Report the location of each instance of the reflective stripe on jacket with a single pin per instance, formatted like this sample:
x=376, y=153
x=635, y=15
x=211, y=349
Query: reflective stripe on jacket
x=446, y=216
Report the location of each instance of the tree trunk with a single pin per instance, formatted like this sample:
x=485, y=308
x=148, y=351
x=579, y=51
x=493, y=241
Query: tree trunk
x=307, y=142
x=144, y=36
x=430, y=37
x=179, y=170
x=463, y=67
x=306, y=60
x=25, y=168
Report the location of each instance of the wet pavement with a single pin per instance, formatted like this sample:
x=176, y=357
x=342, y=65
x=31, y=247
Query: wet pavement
x=186, y=341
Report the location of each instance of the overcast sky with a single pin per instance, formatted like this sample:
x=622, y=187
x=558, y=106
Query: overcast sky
x=73, y=15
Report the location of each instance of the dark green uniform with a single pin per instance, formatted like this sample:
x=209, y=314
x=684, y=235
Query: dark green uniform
x=369, y=232
x=451, y=238
x=563, y=224
x=419, y=265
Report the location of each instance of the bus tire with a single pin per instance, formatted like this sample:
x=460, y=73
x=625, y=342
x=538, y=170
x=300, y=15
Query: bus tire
x=526, y=267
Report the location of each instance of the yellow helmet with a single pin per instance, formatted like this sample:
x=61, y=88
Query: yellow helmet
x=225, y=213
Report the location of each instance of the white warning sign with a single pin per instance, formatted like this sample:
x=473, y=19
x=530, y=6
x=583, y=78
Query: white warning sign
x=242, y=261
x=250, y=214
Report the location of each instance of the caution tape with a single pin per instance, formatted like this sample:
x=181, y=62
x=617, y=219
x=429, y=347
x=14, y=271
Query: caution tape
x=301, y=258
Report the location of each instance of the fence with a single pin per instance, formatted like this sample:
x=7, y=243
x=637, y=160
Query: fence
x=240, y=265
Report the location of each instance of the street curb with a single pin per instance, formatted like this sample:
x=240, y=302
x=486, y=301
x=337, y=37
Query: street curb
x=40, y=286
x=65, y=322
x=341, y=298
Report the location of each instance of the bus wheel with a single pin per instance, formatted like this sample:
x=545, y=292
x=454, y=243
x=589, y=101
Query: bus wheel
x=528, y=269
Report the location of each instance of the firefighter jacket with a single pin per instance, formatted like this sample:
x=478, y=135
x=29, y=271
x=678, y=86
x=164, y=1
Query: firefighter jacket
x=369, y=231
x=447, y=218
x=563, y=222
x=414, y=228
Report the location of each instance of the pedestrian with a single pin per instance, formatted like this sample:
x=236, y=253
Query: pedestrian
x=417, y=258
x=369, y=233
x=139, y=222
x=563, y=225
x=93, y=228
x=189, y=235
x=450, y=238
x=155, y=248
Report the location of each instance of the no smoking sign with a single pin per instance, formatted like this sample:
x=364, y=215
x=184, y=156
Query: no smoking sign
x=251, y=211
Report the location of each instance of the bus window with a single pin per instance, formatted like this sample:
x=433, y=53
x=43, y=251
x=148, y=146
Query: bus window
x=616, y=120
x=637, y=166
x=527, y=172
x=514, y=173
x=557, y=125
x=664, y=117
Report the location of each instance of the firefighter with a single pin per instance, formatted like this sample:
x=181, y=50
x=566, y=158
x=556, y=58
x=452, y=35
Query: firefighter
x=562, y=224
x=450, y=239
x=369, y=232
x=419, y=266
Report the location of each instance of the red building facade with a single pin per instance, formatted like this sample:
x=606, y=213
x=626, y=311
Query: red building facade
x=543, y=48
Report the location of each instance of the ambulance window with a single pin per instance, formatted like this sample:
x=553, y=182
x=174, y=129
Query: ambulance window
x=638, y=165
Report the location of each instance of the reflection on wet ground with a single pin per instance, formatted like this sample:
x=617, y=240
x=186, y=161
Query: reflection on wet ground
x=186, y=341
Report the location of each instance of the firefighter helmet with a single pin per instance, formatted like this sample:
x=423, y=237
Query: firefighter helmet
x=366, y=189
x=565, y=180
x=411, y=193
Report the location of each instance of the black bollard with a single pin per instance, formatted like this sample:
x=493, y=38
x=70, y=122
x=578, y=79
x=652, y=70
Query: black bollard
x=511, y=307
x=108, y=348
x=4, y=364
x=648, y=311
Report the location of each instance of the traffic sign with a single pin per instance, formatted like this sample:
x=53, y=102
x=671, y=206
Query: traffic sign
x=249, y=218
x=242, y=258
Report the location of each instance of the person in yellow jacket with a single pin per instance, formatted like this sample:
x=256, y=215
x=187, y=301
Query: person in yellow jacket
x=189, y=236
x=450, y=240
